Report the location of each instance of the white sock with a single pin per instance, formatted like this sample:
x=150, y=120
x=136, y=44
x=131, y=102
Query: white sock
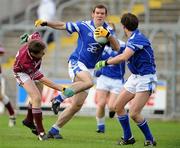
x=56, y=127
x=100, y=121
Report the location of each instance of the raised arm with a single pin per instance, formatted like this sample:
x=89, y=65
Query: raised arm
x=56, y=24
x=114, y=43
x=102, y=32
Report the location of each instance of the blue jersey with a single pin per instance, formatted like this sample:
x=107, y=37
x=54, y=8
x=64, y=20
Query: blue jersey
x=142, y=62
x=113, y=71
x=88, y=51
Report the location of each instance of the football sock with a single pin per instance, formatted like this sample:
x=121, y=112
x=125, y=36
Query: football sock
x=101, y=127
x=100, y=123
x=54, y=129
x=10, y=109
x=37, y=115
x=60, y=98
x=145, y=129
x=29, y=116
x=111, y=114
x=124, y=121
x=8, y=105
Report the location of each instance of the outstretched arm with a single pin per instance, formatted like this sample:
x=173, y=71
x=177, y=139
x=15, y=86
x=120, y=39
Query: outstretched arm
x=56, y=24
x=51, y=84
x=115, y=60
x=121, y=57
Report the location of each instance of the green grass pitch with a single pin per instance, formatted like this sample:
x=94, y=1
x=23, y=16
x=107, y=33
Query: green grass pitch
x=80, y=133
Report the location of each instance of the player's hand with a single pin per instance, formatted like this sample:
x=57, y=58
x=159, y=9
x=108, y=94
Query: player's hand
x=101, y=32
x=68, y=92
x=24, y=38
x=40, y=22
x=100, y=64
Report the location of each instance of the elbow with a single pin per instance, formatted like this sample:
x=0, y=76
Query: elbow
x=125, y=59
x=116, y=47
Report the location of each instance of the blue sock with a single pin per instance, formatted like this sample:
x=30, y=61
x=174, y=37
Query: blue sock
x=124, y=121
x=101, y=127
x=54, y=131
x=59, y=98
x=145, y=129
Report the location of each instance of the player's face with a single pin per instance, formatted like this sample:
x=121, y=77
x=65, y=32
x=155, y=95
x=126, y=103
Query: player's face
x=99, y=16
x=124, y=29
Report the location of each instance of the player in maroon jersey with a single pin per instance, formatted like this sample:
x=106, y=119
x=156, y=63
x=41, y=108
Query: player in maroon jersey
x=4, y=98
x=26, y=71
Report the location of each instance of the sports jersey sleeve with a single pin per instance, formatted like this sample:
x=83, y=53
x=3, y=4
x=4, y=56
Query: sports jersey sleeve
x=73, y=27
x=122, y=46
x=130, y=45
x=137, y=42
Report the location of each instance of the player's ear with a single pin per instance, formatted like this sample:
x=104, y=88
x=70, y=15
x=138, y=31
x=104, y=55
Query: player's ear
x=92, y=14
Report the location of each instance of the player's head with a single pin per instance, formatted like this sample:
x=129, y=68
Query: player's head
x=36, y=48
x=99, y=14
x=129, y=21
x=34, y=35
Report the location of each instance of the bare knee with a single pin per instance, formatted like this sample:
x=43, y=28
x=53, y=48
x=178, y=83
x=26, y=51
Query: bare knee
x=101, y=104
x=75, y=108
x=36, y=101
x=89, y=84
x=134, y=115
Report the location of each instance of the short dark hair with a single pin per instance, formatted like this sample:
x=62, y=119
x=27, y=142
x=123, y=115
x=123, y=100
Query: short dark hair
x=36, y=46
x=100, y=6
x=130, y=21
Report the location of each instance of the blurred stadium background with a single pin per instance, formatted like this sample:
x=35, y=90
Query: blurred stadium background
x=159, y=20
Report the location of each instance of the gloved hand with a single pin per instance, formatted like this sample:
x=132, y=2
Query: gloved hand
x=97, y=73
x=101, y=32
x=100, y=64
x=40, y=22
x=24, y=38
x=68, y=92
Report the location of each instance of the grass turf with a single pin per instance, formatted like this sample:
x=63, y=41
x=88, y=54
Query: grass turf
x=80, y=133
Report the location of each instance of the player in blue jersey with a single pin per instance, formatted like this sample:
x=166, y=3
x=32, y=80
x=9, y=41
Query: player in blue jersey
x=139, y=86
x=81, y=62
x=109, y=83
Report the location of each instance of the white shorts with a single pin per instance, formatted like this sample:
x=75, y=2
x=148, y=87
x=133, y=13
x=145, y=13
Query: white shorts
x=137, y=83
x=109, y=84
x=22, y=77
x=76, y=66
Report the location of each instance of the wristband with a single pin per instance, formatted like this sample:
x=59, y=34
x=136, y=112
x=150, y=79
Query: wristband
x=44, y=24
x=106, y=63
x=108, y=34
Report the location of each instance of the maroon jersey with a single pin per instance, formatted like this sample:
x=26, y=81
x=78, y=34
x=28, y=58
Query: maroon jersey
x=25, y=63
